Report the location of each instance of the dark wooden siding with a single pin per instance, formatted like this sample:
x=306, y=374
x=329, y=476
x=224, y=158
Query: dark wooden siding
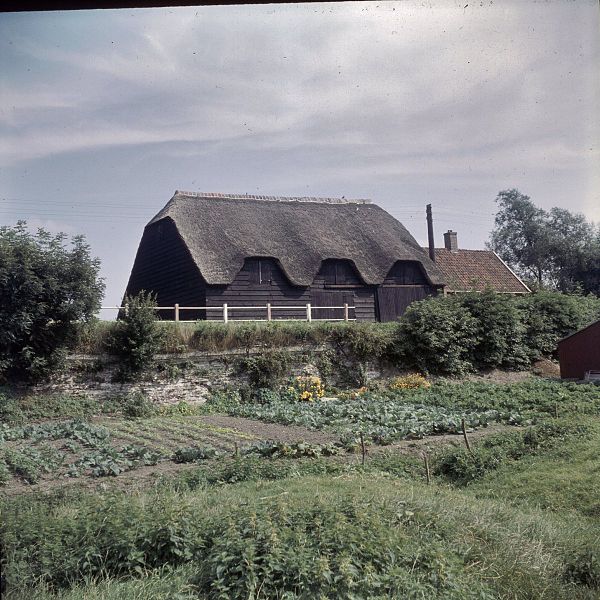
x=342, y=282
x=164, y=266
x=406, y=273
x=260, y=281
x=405, y=283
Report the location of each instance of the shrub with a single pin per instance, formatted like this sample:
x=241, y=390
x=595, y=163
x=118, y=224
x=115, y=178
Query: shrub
x=194, y=454
x=583, y=568
x=136, y=338
x=46, y=288
x=462, y=467
x=500, y=331
x=307, y=388
x=138, y=405
x=409, y=382
x=550, y=316
x=267, y=369
x=437, y=335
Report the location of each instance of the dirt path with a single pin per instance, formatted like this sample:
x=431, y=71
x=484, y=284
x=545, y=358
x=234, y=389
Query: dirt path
x=270, y=431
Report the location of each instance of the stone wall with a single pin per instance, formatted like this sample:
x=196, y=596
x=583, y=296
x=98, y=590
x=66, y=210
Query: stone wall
x=189, y=377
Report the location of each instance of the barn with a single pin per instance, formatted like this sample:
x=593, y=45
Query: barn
x=268, y=257
x=579, y=354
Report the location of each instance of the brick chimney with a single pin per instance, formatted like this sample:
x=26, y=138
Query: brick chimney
x=451, y=241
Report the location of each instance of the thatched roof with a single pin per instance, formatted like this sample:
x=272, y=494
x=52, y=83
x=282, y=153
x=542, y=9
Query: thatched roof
x=221, y=230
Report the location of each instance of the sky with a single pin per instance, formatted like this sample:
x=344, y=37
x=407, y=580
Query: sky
x=104, y=114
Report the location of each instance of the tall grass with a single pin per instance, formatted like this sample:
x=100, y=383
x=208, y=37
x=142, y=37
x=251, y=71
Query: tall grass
x=357, y=536
x=212, y=336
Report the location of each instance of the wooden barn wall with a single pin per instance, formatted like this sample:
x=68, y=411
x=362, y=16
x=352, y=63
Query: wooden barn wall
x=580, y=353
x=340, y=281
x=405, y=283
x=163, y=266
x=260, y=281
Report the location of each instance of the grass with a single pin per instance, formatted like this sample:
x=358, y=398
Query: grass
x=565, y=479
x=522, y=525
x=377, y=535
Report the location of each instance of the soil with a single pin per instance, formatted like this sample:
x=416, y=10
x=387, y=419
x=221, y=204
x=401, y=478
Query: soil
x=144, y=477
x=271, y=431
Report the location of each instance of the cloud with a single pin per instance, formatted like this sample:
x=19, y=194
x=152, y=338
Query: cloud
x=387, y=88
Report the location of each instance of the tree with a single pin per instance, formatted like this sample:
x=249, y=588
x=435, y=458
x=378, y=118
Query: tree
x=136, y=337
x=521, y=236
x=47, y=287
x=557, y=249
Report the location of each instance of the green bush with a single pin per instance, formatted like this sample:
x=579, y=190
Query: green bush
x=437, y=335
x=267, y=369
x=46, y=289
x=137, y=405
x=461, y=467
x=194, y=454
x=550, y=316
x=500, y=331
x=136, y=337
x=583, y=568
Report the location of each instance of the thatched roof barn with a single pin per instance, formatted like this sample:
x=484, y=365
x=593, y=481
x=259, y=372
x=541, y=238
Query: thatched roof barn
x=205, y=250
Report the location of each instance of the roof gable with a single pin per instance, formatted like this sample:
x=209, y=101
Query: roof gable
x=222, y=230
x=476, y=270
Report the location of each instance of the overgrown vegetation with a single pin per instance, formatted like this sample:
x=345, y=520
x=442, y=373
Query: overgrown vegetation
x=447, y=336
x=46, y=288
x=486, y=330
x=516, y=516
x=136, y=337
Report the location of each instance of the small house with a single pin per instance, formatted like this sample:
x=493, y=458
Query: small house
x=579, y=354
x=475, y=270
x=247, y=257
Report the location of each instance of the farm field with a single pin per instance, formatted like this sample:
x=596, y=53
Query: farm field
x=272, y=499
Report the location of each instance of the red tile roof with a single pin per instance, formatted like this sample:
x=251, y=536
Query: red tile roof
x=476, y=270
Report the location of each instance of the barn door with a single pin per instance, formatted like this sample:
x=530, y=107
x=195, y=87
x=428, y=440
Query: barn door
x=393, y=300
x=321, y=298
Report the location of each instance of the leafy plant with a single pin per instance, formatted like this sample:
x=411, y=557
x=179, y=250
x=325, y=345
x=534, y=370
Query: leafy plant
x=409, y=382
x=307, y=388
x=267, y=369
x=272, y=449
x=194, y=453
x=46, y=289
x=138, y=405
x=136, y=337
x=437, y=335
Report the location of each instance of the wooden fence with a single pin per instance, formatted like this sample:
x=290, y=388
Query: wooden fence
x=225, y=311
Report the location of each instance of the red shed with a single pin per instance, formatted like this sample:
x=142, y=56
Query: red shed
x=579, y=353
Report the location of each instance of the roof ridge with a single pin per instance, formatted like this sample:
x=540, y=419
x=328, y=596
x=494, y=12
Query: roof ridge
x=220, y=196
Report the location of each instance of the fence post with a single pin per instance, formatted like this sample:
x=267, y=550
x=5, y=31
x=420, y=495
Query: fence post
x=345, y=311
x=308, y=313
x=176, y=312
x=225, y=316
x=268, y=311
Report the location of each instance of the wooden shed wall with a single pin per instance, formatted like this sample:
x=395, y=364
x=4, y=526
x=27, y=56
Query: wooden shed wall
x=580, y=352
x=164, y=266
